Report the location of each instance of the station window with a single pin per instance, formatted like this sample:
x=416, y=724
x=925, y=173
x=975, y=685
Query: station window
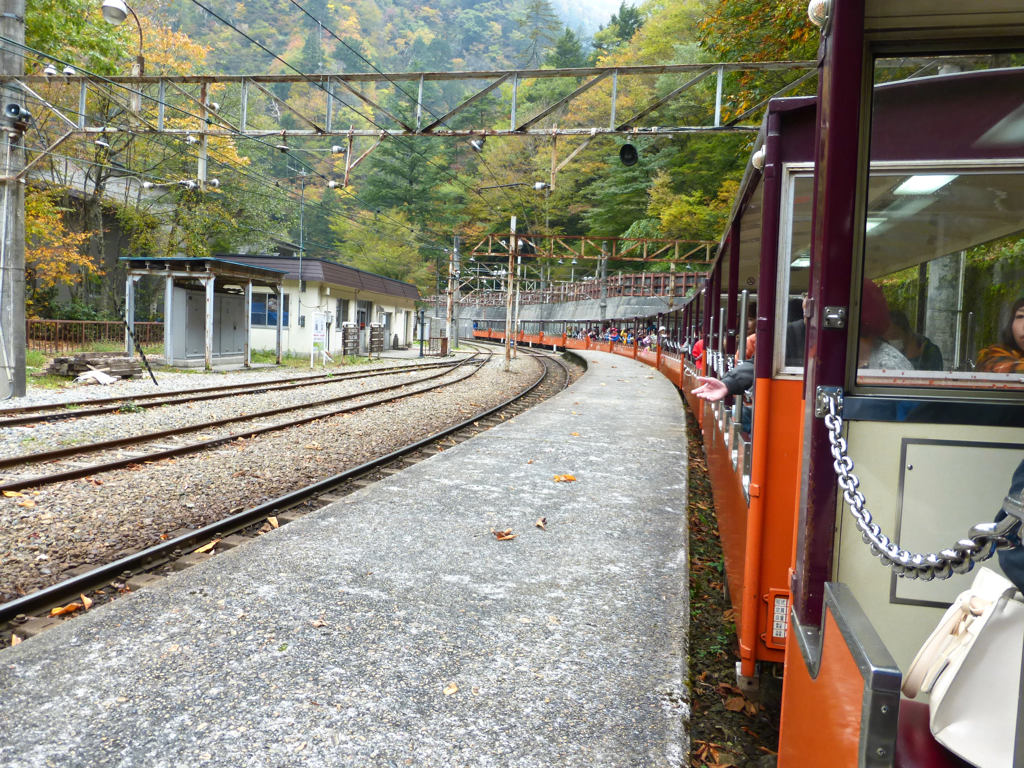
x=942, y=300
x=264, y=310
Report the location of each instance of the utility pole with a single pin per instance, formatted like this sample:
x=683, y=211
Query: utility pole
x=603, y=269
x=519, y=278
x=12, y=215
x=449, y=291
x=512, y=248
x=456, y=294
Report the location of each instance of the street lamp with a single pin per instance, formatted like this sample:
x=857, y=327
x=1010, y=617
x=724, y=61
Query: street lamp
x=115, y=12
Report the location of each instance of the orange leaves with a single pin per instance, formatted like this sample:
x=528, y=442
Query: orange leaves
x=23, y=500
x=706, y=753
x=542, y=523
x=63, y=610
x=505, y=535
x=565, y=478
x=53, y=255
x=207, y=547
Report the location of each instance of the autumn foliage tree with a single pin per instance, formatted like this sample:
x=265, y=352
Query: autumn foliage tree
x=53, y=254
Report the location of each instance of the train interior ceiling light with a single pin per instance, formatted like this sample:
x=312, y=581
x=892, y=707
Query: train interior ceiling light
x=923, y=184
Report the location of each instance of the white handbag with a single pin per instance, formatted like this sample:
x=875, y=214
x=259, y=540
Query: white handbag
x=971, y=666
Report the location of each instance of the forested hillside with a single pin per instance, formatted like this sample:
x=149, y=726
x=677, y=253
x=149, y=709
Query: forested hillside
x=410, y=196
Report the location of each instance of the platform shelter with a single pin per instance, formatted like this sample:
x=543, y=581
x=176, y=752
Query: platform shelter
x=207, y=307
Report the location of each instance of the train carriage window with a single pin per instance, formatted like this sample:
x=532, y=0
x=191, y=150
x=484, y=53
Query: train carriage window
x=943, y=260
x=794, y=270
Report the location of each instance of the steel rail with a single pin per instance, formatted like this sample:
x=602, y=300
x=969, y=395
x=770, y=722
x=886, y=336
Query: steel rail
x=72, y=474
x=35, y=413
x=76, y=585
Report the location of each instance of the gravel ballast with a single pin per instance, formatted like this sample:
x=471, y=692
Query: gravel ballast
x=46, y=532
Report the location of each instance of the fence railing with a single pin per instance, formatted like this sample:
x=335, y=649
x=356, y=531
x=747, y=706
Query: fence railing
x=58, y=336
x=676, y=284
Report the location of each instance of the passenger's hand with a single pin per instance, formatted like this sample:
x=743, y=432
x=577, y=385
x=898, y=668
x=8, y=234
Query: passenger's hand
x=710, y=389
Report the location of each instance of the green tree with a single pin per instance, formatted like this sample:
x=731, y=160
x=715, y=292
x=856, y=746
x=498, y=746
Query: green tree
x=74, y=31
x=385, y=244
x=619, y=31
x=567, y=52
x=537, y=27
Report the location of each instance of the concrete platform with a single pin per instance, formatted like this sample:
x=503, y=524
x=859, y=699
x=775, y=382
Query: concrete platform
x=393, y=629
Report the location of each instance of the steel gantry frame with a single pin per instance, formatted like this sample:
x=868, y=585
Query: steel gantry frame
x=153, y=93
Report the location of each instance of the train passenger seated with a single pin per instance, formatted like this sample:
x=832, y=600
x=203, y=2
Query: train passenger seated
x=923, y=353
x=874, y=351
x=1007, y=356
x=698, y=354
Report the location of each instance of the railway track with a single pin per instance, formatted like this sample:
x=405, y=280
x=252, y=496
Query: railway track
x=157, y=453
x=31, y=613
x=35, y=414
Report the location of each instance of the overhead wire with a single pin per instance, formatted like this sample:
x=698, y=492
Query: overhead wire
x=129, y=130
x=317, y=84
x=408, y=95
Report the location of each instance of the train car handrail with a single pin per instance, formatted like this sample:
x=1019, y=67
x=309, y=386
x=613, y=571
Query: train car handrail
x=984, y=539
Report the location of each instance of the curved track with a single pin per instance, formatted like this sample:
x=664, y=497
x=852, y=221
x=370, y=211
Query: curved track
x=45, y=457
x=136, y=570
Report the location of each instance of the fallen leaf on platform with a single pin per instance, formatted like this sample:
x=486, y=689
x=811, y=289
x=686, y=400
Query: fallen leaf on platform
x=542, y=523
x=530, y=461
x=318, y=623
x=505, y=535
x=86, y=602
x=574, y=434
x=450, y=689
x=565, y=478
x=13, y=494
x=15, y=639
x=26, y=503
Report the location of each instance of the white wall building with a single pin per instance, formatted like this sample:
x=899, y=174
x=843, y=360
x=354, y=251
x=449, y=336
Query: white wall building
x=338, y=293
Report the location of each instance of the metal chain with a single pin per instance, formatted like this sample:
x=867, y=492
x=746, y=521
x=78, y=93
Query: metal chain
x=982, y=542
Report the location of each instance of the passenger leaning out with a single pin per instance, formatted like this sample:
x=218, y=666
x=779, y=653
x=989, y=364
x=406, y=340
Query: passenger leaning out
x=1007, y=356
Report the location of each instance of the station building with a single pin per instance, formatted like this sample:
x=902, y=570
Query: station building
x=219, y=310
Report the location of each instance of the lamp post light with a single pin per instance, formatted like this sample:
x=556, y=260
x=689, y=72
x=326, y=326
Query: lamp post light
x=115, y=12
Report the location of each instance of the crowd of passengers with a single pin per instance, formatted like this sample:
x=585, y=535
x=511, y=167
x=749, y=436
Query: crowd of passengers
x=648, y=337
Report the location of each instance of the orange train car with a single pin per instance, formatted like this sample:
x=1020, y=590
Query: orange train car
x=876, y=239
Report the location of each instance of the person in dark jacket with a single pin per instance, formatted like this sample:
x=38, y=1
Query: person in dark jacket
x=1012, y=560
x=735, y=382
